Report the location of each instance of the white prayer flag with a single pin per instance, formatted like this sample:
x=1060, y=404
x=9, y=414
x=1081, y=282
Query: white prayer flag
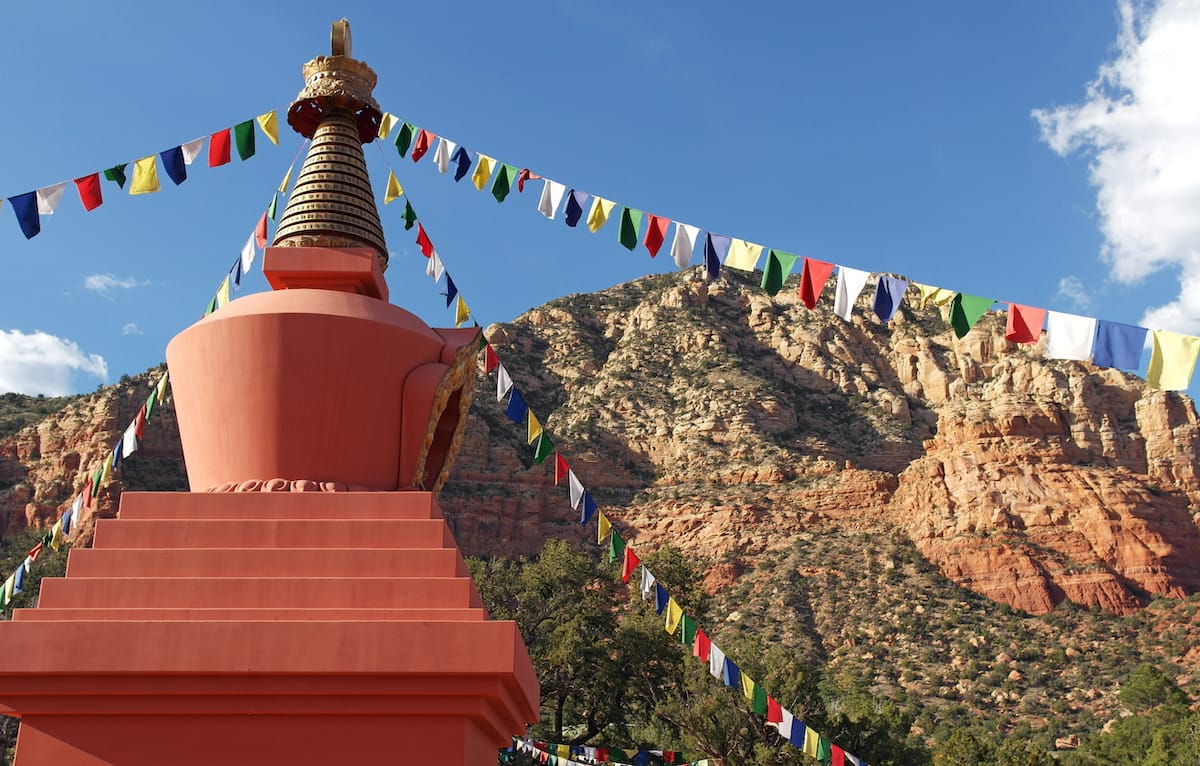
x=552, y=194
x=684, y=244
x=129, y=444
x=576, y=488
x=647, y=584
x=503, y=383
x=850, y=283
x=48, y=197
x=434, y=268
x=716, y=661
x=248, y=251
x=1069, y=336
x=191, y=150
x=784, y=727
x=441, y=155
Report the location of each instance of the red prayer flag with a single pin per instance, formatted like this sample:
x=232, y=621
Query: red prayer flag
x=421, y=146
x=525, y=175
x=812, y=281
x=774, y=710
x=140, y=422
x=490, y=360
x=87, y=492
x=602, y=754
x=656, y=232
x=218, y=148
x=561, y=469
x=669, y=756
x=1024, y=323
x=89, y=191
x=839, y=756
x=543, y=756
x=701, y=645
x=260, y=232
x=631, y=564
x=35, y=551
x=423, y=241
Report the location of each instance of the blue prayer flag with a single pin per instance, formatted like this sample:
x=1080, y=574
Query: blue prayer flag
x=19, y=578
x=715, y=248
x=451, y=290
x=797, y=735
x=1118, y=345
x=26, y=208
x=589, y=508
x=731, y=675
x=517, y=408
x=661, y=596
x=173, y=163
x=462, y=158
x=889, y=291
x=576, y=202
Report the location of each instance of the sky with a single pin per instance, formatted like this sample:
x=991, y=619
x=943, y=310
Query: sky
x=1042, y=153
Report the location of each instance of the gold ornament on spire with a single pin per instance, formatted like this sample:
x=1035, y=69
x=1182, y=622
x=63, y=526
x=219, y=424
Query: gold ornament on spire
x=332, y=203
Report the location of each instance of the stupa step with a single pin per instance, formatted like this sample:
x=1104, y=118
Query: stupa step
x=250, y=615
x=272, y=533
x=259, y=593
x=278, y=505
x=258, y=562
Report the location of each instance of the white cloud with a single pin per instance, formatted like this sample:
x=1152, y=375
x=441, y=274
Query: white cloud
x=105, y=284
x=1072, y=289
x=40, y=363
x=129, y=328
x=1140, y=124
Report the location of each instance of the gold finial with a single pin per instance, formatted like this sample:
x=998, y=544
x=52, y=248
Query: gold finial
x=332, y=203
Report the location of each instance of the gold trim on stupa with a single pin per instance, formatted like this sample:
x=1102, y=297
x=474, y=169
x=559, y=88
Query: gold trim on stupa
x=332, y=203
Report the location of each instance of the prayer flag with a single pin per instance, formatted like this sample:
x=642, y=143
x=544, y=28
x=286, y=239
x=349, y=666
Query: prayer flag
x=386, y=120
x=701, y=645
x=731, y=674
x=525, y=175
x=503, y=383
x=837, y=756
x=1069, y=336
x=10, y=584
x=404, y=138
x=758, y=700
x=423, y=241
x=461, y=312
x=1172, y=360
x=616, y=546
x=743, y=255
x=129, y=442
x=552, y=194
x=287, y=180
x=965, y=311
x=938, y=296
x=89, y=191
x=849, y=284
x=243, y=134
x=191, y=150
x=631, y=221
x=260, y=232
x=218, y=148
x=811, y=740
x=747, y=687
x=270, y=126
x=575, y=489
x=26, y=209
x=647, y=586
x=116, y=174
x=483, y=171
x=161, y=388
x=19, y=577
x=1024, y=324
x=687, y=632
x=684, y=243
x=462, y=159
x=560, y=468
x=774, y=711
x=544, y=448
x=603, y=527
x=656, y=233
x=631, y=563
x=889, y=292
x=172, y=160
x=1118, y=345
x=517, y=409
x=812, y=281
x=490, y=360
x=598, y=216
x=824, y=756
x=779, y=265
x=503, y=183
x=576, y=200
x=589, y=508
x=716, y=661
x=410, y=215
x=393, y=190
x=49, y=196
x=421, y=147
x=535, y=429
x=798, y=733
x=248, y=254
x=661, y=597
x=715, y=248
x=674, y=615
x=223, y=292
x=145, y=176
x=442, y=154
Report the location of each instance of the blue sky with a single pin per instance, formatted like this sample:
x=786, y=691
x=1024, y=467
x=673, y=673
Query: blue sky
x=895, y=137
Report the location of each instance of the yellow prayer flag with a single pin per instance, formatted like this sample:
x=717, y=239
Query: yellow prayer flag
x=145, y=175
x=107, y=472
x=674, y=615
x=461, y=312
x=10, y=585
x=270, y=126
x=223, y=293
x=1172, y=360
x=743, y=255
x=535, y=428
x=564, y=751
x=747, y=686
x=938, y=296
x=385, y=126
x=160, y=390
x=56, y=535
x=394, y=190
x=811, y=740
x=598, y=216
x=287, y=180
x=483, y=171
x=603, y=527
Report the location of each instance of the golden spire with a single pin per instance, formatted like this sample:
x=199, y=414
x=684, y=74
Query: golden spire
x=332, y=203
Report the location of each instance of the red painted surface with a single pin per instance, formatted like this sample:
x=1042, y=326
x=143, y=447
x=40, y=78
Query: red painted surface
x=264, y=628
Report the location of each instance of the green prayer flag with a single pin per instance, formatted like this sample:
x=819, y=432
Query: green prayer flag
x=117, y=173
x=824, y=752
x=243, y=134
x=965, y=311
x=151, y=401
x=616, y=547
x=410, y=215
x=96, y=479
x=212, y=306
x=759, y=703
x=779, y=265
x=545, y=448
x=404, y=138
x=552, y=760
x=688, y=633
x=631, y=221
x=271, y=207
x=503, y=184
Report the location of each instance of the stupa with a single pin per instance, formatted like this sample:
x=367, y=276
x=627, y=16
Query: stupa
x=305, y=603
